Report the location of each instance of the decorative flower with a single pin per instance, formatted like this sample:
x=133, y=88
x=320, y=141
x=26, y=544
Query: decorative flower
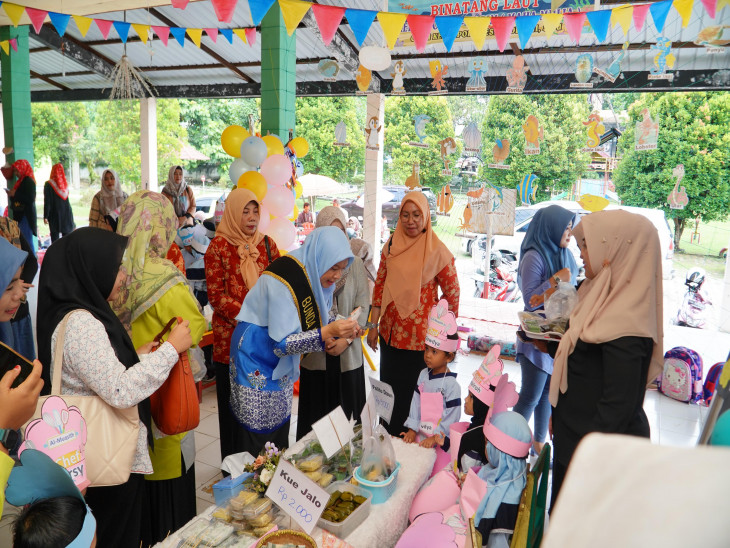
x=258, y=462
x=266, y=476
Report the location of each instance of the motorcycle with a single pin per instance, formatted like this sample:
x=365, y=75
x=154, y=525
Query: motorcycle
x=694, y=308
x=502, y=279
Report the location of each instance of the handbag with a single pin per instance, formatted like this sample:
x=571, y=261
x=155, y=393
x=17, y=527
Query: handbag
x=111, y=433
x=175, y=407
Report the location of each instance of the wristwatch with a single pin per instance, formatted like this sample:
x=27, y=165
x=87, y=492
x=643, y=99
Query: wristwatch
x=9, y=438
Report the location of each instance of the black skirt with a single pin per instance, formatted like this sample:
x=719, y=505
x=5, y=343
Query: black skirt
x=400, y=368
x=118, y=512
x=253, y=442
x=231, y=433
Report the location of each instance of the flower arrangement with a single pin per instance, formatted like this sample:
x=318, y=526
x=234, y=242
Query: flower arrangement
x=264, y=466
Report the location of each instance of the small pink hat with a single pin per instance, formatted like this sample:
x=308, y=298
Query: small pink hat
x=441, y=324
x=486, y=377
x=505, y=396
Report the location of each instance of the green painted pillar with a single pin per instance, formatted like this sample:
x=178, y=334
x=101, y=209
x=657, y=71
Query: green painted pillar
x=278, y=75
x=15, y=73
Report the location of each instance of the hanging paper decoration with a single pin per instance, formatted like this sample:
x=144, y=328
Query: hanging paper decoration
x=420, y=26
x=143, y=31
x=472, y=138
x=614, y=69
x=599, y=21
x=659, y=12
x=195, y=35
x=533, y=135
x=163, y=33
x=126, y=80
x=574, y=24
x=179, y=35
x=712, y=38
x=5, y=45
x=328, y=68
x=60, y=21
x=552, y=22
x=647, y=132
x=594, y=130
x=678, y=196
x=527, y=189
x=227, y=34
x=83, y=24
x=375, y=58
x=419, y=124
x=622, y=16
x=438, y=72
x=447, y=148
x=517, y=75
x=448, y=28
x=476, y=81
x=639, y=15
x=391, y=23
x=250, y=36
x=502, y=29
x=592, y=203
x=583, y=71
x=399, y=71
x=14, y=43
x=466, y=219
x=242, y=35
x=500, y=151
x=478, y=27
x=363, y=77
x=663, y=60
x=525, y=26
x=360, y=22
x=328, y=20
x=444, y=201
x=341, y=135
x=104, y=27
x=224, y=9
x=684, y=8
x=14, y=12
x=259, y=8
x=180, y=4
x=212, y=34
x=292, y=12
x=414, y=179
x=36, y=18
x=122, y=29
x=372, y=133
x=710, y=6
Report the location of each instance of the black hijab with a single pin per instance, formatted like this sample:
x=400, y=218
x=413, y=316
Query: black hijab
x=79, y=272
x=473, y=440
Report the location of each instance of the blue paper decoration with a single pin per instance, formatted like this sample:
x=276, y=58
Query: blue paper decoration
x=60, y=21
x=259, y=8
x=179, y=34
x=525, y=25
x=227, y=34
x=599, y=21
x=449, y=27
x=122, y=29
x=659, y=12
x=360, y=21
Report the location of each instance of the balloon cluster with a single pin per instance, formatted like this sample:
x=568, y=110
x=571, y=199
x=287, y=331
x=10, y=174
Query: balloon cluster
x=268, y=169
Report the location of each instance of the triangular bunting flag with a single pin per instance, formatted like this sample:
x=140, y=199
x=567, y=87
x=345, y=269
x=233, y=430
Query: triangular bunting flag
x=259, y=8
x=448, y=28
x=392, y=25
x=574, y=24
x=83, y=24
x=14, y=43
x=502, y=29
x=15, y=12
x=360, y=22
x=179, y=35
x=180, y=4
x=36, y=17
x=640, y=15
x=6, y=46
x=60, y=21
x=251, y=36
x=212, y=34
x=684, y=9
x=143, y=31
x=721, y=4
x=122, y=29
x=525, y=26
x=478, y=27
x=710, y=6
x=420, y=26
x=328, y=20
x=104, y=26
x=599, y=21
x=552, y=22
x=292, y=13
x=163, y=33
x=195, y=35
x=224, y=9
x=241, y=33
x=659, y=11
x=622, y=16
x=227, y=34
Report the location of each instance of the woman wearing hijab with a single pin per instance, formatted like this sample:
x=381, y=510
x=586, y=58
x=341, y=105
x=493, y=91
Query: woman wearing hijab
x=105, y=202
x=544, y=258
x=360, y=248
x=57, y=213
x=413, y=265
x=22, y=200
x=81, y=274
x=336, y=376
x=180, y=195
x=153, y=292
x=233, y=263
x=613, y=346
x=285, y=314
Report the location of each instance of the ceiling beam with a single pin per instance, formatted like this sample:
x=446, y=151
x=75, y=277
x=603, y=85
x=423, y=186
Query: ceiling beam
x=48, y=80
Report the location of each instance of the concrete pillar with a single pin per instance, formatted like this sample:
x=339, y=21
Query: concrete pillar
x=148, y=142
x=278, y=76
x=75, y=173
x=372, y=214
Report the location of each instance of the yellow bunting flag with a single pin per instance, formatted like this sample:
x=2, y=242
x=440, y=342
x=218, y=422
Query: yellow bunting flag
x=478, y=27
x=292, y=12
x=5, y=44
x=84, y=23
x=623, y=16
x=195, y=35
x=241, y=33
x=684, y=8
x=392, y=24
x=552, y=22
x=721, y=4
x=142, y=30
x=15, y=12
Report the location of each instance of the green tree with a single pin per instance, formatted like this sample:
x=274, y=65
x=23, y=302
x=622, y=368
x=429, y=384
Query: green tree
x=560, y=162
x=468, y=108
x=57, y=130
x=693, y=131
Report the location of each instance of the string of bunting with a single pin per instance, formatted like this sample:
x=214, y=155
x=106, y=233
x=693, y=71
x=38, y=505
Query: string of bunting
x=328, y=19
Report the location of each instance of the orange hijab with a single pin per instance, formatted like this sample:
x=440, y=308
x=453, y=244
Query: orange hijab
x=230, y=229
x=406, y=256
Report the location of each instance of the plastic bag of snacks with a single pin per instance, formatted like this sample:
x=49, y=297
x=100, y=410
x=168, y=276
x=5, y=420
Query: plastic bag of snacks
x=560, y=304
x=378, y=456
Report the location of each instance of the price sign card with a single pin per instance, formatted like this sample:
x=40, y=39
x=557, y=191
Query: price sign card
x=367, y=416
x=333, y=431
x=384, y=398
x=298, y=496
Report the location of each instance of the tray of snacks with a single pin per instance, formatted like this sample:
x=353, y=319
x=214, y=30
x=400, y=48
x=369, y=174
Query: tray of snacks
x=286, y=537
x=347, y=508
x=537, y=326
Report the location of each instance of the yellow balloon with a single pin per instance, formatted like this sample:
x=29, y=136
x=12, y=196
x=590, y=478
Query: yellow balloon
x=295, y=214
x=283, y=252
x=273, y=145
x=255, y=182
x=298, y=189
x=299, y=146
x=231, y=140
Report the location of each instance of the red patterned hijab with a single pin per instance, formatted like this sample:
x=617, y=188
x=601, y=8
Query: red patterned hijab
x=58, y=181
x=24, y=170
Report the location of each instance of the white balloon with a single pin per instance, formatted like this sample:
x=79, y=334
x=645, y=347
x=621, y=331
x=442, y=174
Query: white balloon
x=264, y=219
x=282, y=231
x=238, y=168
x=280, y=201
x=375, y=58
x=253, y=151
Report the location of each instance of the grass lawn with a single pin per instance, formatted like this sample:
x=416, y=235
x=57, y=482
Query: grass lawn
x=712, y=238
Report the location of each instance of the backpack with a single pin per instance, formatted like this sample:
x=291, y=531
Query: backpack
x=681, y=378
x=713, y=375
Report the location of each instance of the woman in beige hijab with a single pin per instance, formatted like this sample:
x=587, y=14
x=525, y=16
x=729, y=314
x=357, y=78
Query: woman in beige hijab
x=613, y=347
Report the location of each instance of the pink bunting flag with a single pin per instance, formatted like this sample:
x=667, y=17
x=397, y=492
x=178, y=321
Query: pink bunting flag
x=14, y=42
x=36, y=17
x=181, y=4
x=224, y=9
x=639, y=15
x=251, y=36
x=502, y=29
x=328, y=19
x=163, y=33
x=574, y=24
x=213, y=33
x=104, y=26
x=710, y=6
x=420, y=26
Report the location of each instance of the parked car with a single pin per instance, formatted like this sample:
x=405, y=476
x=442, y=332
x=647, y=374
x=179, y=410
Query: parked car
x=391, y=207
x=206, y=204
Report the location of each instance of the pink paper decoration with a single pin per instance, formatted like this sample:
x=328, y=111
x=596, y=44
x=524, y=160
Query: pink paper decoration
x=213, y=33
x=37, y=17
x=640, y=15
x=104, y=26
x=420, y=26
x=710, y=6
x=251, y=36
x=224, y=9
x=574, y=24
x=180, y=4
x=502, y=29
x=14, y=43
x=163, y=33
x=328, y=19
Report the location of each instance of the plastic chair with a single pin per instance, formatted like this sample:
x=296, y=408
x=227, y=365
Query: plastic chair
x=530, y=523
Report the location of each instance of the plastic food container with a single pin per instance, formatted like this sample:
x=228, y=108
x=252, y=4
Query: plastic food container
x=344, y=528
x=311, y=463
x=380, y=490
x=256, y=508
x=261, y=520
x=228, y=488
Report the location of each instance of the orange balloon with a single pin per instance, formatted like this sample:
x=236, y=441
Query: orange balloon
x=231, y=140
x=273, y=145
x=255, y=182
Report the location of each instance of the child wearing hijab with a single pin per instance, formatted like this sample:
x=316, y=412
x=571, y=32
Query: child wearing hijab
x=57, y=212
x=106, y=203
x=180, y=195
x=11, y=266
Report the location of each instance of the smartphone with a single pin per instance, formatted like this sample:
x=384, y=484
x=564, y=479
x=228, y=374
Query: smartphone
x=9, y=358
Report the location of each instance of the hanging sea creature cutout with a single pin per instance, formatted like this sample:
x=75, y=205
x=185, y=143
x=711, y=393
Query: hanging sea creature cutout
x=448, y=147
x=527, y=189
x=472, y=139
x=438, y=72
x=592, y=203
x=500, y=151
x=363, y=77
x=614, y=69
x=399, y=71
x=444, y=201
x=678, y=196
x=647, y=132
x=466, y=219
x=341, y=135
x=517, y=75
x=375, y=58
x=419, y=123
x=414, y=179
x=533, y=135
x=583, y=71
x=329, y=68
x=663, y=60
x=715, y=38
x=476, y=81
x=371, y=133
x=594, y=130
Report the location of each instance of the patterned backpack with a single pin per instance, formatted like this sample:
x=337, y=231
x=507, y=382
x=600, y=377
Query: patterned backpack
x=681, y=378
x=713, y=375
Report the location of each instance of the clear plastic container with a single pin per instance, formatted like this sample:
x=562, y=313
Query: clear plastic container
x=261, y=519
x=311, y=463
x=257, y=507
x=360, y=514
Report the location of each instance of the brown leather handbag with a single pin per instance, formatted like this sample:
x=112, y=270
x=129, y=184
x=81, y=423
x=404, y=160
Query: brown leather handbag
x=175, y=407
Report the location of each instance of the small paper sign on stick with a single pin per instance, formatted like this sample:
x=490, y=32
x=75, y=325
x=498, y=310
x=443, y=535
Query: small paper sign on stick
x=384, y=399
x=333, y=431
x=298, y=496
x=367, y=416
